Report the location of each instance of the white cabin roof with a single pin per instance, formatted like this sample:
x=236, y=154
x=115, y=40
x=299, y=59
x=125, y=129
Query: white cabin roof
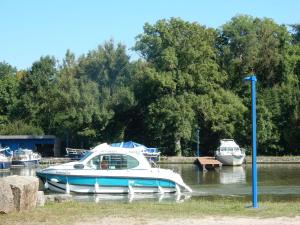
x=225, y=143
x=107, y=149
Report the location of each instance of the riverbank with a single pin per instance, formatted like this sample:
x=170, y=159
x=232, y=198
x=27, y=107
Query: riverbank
x=221, y=211
x=260, y=160
x=191, y=160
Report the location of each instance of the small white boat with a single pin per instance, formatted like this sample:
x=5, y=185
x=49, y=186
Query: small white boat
x=107, y=169
x=229, y=153
x=5, y=160
x=25, y=157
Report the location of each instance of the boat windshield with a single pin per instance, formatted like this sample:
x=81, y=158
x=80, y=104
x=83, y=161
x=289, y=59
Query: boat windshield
x=87, y=154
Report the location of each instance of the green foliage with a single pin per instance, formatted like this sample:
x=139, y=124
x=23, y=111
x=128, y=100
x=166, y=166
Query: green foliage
x=8, y=91
x=185, y=83
x=171, y=114
x=35, y=93
x=19, y=128
x=251, y=45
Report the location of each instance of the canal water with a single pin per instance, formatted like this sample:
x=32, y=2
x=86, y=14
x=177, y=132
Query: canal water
x=276, y=182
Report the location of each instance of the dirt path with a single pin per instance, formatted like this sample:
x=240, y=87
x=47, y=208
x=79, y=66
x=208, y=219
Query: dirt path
x=193, y=221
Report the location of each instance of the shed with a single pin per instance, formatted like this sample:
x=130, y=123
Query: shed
x=46, y=145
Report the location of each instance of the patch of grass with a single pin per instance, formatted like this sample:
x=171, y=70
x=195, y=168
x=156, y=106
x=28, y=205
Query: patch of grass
x=71, y=212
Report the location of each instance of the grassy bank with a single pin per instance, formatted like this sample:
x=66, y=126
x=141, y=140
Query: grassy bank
x=72, y=212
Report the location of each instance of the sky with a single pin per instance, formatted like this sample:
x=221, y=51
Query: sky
x=30, y=29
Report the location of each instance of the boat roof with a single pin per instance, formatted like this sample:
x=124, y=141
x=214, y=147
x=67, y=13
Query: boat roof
x=228, y=143
x=132, y=144
x=105, y=148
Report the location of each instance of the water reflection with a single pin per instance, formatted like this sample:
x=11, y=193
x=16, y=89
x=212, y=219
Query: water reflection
x=232, y=175
x=277, y=180
x=21, y=171
x=274, y=181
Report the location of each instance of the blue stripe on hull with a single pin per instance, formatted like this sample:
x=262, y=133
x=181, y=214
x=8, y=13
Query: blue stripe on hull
x=110, y=181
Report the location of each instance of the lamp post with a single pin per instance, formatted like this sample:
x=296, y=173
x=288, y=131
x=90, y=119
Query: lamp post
x=198, y=142
x=253, y=80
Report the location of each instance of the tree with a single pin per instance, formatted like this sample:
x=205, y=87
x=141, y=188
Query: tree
x=35, y=92
x=183, y=70
x=8, y=91
x=251, y=45
x=78, y=114
x=109, y=67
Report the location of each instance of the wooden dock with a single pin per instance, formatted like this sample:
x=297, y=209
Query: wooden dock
x=208, y=161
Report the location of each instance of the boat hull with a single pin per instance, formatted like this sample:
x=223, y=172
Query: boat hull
x=231, y=160
x=83, y=184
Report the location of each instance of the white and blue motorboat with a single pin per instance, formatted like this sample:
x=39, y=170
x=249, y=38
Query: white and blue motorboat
x=25, y=157
x=5, y=160
x=107, y=169
x=152, y=154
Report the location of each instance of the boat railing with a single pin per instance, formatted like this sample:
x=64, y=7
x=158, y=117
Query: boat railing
x=243, y=150
x=153, y=164
x=74, y=152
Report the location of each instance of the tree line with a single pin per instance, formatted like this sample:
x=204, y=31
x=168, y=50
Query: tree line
x=188, y=77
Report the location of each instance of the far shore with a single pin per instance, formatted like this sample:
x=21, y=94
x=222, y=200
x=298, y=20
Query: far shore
x=191, y=160
x=259, y=160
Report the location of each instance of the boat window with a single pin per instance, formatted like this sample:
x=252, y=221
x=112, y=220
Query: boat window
x=131, y=162
x=95, y=163
x=113, y=162
x=87, y=154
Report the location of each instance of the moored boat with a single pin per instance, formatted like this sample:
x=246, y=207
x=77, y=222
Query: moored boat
x=5, y=160
x=25, y=157
x=229, y=153
x=107, y=169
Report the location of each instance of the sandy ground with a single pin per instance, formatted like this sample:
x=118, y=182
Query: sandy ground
x=194, y=221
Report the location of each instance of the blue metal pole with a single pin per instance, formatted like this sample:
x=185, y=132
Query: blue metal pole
x=254, y=170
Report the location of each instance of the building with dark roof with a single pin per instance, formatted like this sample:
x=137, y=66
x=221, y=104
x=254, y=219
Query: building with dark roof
x=46, y=145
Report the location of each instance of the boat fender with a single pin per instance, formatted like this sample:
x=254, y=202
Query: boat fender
x=46, y=185
x=130, y=188
x=96, y=187
x=161, y=190
x=178, y=191
x=67, y=188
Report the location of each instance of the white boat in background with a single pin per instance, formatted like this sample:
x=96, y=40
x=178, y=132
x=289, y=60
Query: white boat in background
x=107, y=169
x=5, y=160
x=25, y=157
x=229, y=153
